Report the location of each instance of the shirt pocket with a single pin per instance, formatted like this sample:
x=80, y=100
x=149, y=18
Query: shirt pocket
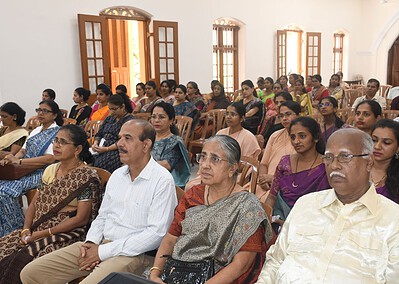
x=306, y=239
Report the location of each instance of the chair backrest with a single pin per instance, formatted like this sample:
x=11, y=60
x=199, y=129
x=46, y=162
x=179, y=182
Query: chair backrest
x=32, y=123
x=64, y=112
x=218, y=118
x=143, y=115
x=92, y=128
x=104, y=176
x=344, y=113
x=249, y=172
x=69, y=121
x=352, y=95
x=393, y=93
x=351, y=120
x=390, y=114
x=384, y=90
x=183, y=124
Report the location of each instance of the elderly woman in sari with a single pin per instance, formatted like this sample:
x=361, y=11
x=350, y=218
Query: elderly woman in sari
x=218, y=221
x=169, y=150
x=105, y=141
x=100, y=110
x=12, y=134
x=38, y=152
x=64, y=204
x=300, y=173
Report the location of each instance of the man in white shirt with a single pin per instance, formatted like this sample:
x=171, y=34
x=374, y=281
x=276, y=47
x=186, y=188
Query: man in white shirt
x=373, y=85
x=134, y=216
x=347, y=234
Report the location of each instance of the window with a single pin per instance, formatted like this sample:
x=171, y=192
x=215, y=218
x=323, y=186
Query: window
x=338, y=52
x=313, y=52
x=225, y=53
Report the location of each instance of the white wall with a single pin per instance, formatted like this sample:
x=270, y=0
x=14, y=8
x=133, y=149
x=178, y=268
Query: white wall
x=40, y=49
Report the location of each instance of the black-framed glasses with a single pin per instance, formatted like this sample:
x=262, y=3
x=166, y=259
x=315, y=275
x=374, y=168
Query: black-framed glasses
x=43, y=110
x=343, y=158
x=61, y=141
x=214, y=160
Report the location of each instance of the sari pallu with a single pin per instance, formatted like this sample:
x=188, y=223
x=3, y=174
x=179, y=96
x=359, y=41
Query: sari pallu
x=220, y=230
x=51, y=199
x=7, y=140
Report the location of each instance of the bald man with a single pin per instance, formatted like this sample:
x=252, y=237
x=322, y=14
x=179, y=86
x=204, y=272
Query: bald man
x=347, y=234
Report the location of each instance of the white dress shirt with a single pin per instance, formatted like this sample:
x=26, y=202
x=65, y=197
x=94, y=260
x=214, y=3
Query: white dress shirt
x=381, y=100
x=325, y=241
x=134, y=215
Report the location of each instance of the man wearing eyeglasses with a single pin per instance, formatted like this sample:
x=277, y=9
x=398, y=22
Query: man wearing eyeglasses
x=347, y=234
x=373, y=85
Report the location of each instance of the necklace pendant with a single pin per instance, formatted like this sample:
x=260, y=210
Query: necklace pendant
x=294, y=185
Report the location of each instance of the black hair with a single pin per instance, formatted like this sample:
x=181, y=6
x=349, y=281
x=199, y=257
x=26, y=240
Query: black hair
x=182, y=87
x=51, y=93
x=142, y=85
x=374, y=106
x=148, y=131
x=154, y=86
x=121, y=99
x=82, y=92
x=317, y=77
x=222, y=92
x=372, y=80
x=392, y=181
x=251, y=85
x=104, y=88
x=56, y=110
x=167, y=82
x=170, y=111
x=195, y=86
x=121, y=88
x=173, y=84
x=79, y=137
x=240, y=109
x=270, y=79
x=338, y=122
x=287, y=96
x=314, y=129
x=13, y=109
x=294, y=106
x=303, y=85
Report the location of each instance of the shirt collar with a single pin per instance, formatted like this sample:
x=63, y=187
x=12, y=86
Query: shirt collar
x=369, y=199
x=145, y=173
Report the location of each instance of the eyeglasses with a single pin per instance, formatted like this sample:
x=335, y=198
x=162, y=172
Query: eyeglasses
x=61, y=141
x=214, y=160
x=160, y=117
x=327, y=104
x=343, y=158
x=43, y=110
x=286, y=114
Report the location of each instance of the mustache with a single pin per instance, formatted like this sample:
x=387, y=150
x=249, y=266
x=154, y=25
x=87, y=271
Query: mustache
x=337, y=174
x=121, y=150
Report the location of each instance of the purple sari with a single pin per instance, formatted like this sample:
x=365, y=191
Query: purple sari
x=291, y=186
x=383, y=190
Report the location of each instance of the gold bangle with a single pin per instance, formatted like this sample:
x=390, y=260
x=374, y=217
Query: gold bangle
x=23, y=231
x=155, y=268
x=49, y=231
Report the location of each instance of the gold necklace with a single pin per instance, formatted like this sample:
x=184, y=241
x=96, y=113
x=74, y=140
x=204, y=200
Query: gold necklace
x=294, y=185
x=377, y=183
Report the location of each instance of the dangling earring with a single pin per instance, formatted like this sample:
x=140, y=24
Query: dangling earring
x=397, y=155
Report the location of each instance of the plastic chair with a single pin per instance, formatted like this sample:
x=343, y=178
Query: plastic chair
x=142, y=115
x=92, y=128
x=69, y=121
x=390, y=114
x=64, y=113
x=249, y=172
x=183, y=124
x=32, y=123
x=384, y=90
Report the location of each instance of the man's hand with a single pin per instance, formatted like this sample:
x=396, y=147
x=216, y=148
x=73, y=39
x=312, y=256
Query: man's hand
x=88, y=258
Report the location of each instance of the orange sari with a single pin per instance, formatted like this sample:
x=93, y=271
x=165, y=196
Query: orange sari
x=99, y=113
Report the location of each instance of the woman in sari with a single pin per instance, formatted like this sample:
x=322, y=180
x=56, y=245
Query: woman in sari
x=194, y=95
x=12, y=134
x=303, y=98
x=81, y=111
x=166, y=91
x=283, y=80
x=253, y=107
x=300, y=173
x=105, y=141
x=140, y=93
x=318, y=90
x=147, y=103
x=182, y=105
x=169, y=150
x=335, y=89
x=36, y=152
x=384, y=173
x=218, y=221
x=292, y=78
x=367, y=113
x=267, y=95
x=66, y=200
x=100, y=110
x=331, y=122
x=279, y=145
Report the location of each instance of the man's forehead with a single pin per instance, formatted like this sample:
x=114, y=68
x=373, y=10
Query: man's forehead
x=344, y=144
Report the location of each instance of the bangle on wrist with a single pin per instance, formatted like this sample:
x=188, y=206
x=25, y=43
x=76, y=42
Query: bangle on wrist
x=24, y=230
x=49, y=232
x=20, y=161
x=155, y=268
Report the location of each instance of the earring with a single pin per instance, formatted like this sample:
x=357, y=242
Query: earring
x=15, y=119
x=397, y=155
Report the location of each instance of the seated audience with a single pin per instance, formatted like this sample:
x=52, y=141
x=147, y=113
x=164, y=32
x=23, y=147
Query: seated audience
x=347, y=234
x=328, y=107
x=279, y=145
x=342, y=83
x=217, y=220
x=318, y=91
x=253, y=107
x=308, y=83
x=12, y=134
x=166, y=91
x=302, y=97
x=123, y=89
x=169, y=150
x=107, y=156
x=194, y=95
x=335, y=89
x=283, y=81
x=367, y=113
x=134, y=216
x=384, y=174
x=300, y=173
x=267, y=93
x=147, y=103
x=277, y=88
x=182, y=105
x=100, y=109
x=81, y=111
x=292, y=78
x=37, y=151
x=140, y=93
x=373, y=86
x=66, y=201
x=48, y=94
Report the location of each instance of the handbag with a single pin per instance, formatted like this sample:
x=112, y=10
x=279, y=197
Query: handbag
x=180, y=272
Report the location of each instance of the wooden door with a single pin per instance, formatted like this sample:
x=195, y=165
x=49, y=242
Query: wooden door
x=393, y=64
x=313, y=53
x=94, y=51
x=119, y=53
x=281, y=53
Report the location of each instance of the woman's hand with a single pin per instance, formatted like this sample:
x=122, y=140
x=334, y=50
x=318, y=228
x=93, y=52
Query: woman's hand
x=99, y=149
x=265, y=181
x=9, y=159
x=24, y=236
x=35, y=236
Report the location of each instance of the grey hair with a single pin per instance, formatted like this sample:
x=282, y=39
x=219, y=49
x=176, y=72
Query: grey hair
x=229, y=146
x=367, y=141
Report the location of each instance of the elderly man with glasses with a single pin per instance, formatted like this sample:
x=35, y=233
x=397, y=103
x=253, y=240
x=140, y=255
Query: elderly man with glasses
x=347, y=234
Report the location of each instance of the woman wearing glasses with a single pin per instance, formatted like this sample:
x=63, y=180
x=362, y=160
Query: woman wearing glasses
x=169, y=150
x=299, y=173
x=66, y=200
x=104, y=146
x=328, y=107
x=217, y=220
x=37, y=152
x=384, y=173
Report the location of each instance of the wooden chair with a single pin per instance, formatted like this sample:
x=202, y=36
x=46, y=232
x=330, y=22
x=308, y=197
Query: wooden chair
x=384, y=90
x=351, y=120
x=64, y=112
x=104, y=176
x=351, y=96
x=249, y=172
x=69, y=121
x=390, y=114
x=344, y=113
x=92, y=128
x=32, y=123
x=142, y=115
x=183, y=124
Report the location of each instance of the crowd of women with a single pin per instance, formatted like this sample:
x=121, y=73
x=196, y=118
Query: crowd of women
x=271, y=122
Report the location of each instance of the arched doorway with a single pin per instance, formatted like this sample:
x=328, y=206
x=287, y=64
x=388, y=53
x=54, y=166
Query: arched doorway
x=393, y=64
